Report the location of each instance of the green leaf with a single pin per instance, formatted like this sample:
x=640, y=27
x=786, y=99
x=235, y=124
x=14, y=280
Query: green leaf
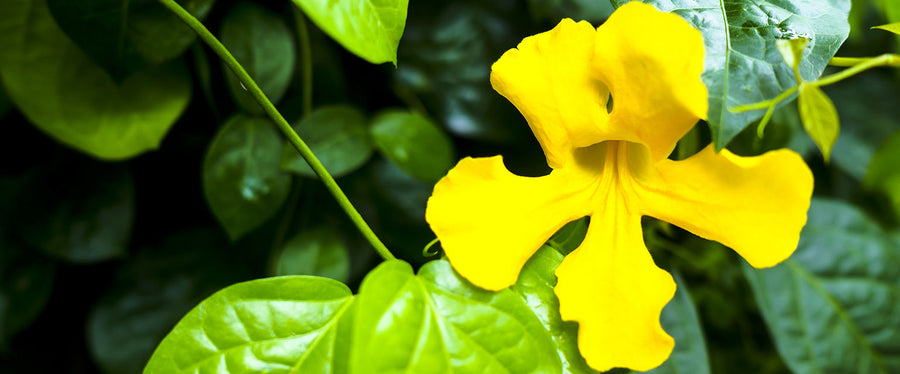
x=820, y=118
x=152, y=290
x=63, y=93
x=263, y=44
x=26, y=282
x=742, y=64
x=413, y=143
x=406, y=195
x=570, y=236
x=315, y=251
x=371, y=29
x=241, y=179
x=891, y=27
x=791, y=50
x=834, y=306
x=88, y=221
x=126, y=36
x=337, y=135
x=5, y=105
x=436, y=322
x=554, y=10
x=274, y=325
x=883, y=173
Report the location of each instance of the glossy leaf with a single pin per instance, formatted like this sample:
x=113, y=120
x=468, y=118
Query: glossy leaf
x=883, y=174
x=820, y=118
x=263, y=44
x=125, y=36
x=413, y=143
x=436, y=322
x=742, y=64
x=834, y=306
x=152, y=290
x=241, y=179
x=315, y=251
x=88, y=221
x=274, y=325
x=371, y=29
x=337, y=135
x=66, y=95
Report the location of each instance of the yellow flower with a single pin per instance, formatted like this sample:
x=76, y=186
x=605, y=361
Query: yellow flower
x=613, y=167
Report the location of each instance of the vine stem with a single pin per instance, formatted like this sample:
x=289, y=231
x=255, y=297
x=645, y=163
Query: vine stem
x=863, y=64
x=282, y=125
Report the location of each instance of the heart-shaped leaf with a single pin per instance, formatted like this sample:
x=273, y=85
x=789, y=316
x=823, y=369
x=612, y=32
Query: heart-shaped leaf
x=337, y=135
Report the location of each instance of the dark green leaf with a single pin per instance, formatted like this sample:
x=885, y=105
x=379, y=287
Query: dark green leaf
x=679, y=319
x=414, y=143
x=263, y=44
x=241, y=179
x=820, y=118
x=275, y=325
x=405, y=194
x=26, y=281
x=337, y=135
x=90, y=220
x=883, y=172
x=66, y=95
x=834, y=307
x=125, y=36
x=742, y=64
x=436, y=322
x=371, y=29
x=570, y=236
x=447, y=54
x=152, y=291
x=554, y=10
x=315, y=251
x=5, y=105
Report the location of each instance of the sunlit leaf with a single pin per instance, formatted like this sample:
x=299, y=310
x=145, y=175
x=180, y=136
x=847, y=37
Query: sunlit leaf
x=371, y=29
x=125, y=36
x=820, y=118
x=891, y=27
x=263, y=44
x=413, y=143
x=742, y=63
x=791, y=50
x=66, y=95
x=275, y=325
x=337, y=135
x=241, y=179
x=436, y=322
x=834, y=306
x=315, y=251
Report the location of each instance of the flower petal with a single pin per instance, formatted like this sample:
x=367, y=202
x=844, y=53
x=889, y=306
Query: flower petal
x=490, y=221
x=651, y=62
x=612, y=288
x=755, y=205
x=548, y=78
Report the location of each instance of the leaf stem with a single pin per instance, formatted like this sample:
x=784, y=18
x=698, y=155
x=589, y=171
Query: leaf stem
x=864, y=64
x=282, y=125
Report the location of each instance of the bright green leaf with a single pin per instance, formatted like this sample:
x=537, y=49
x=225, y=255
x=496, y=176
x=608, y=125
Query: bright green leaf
x=742, y=63
x=315, y=251
x=337, y=135
x=275, y=325
x=834, y=306
x=413, y=143
x=436, y=322
x=820, y=118
x=88, y=221
x=791, y=50
x=891, y=27
x=371, y=29
x=883, y=173
x=126, y=36
x=241, y=179
x=62, y=92
x=152, y=290
x=263, y=44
